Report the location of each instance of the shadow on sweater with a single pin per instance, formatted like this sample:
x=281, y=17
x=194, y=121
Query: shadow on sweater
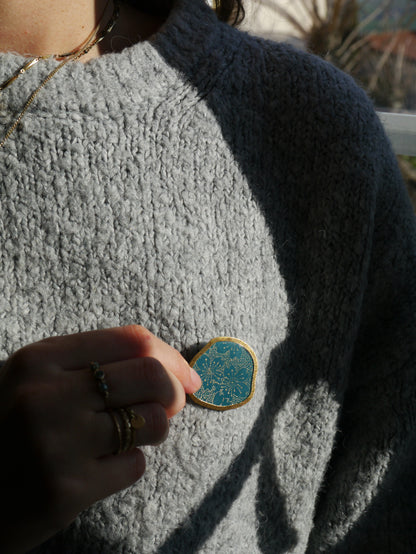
x=238, y=121
x=270, y=503
x=292, y=365
x=309, y=221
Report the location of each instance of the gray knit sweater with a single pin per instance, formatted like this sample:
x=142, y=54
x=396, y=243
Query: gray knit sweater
x=209, y=183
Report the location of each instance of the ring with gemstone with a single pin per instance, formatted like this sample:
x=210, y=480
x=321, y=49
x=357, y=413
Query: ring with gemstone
x=99, y=376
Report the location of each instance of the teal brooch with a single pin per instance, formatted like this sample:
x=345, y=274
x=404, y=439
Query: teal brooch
x=228, y=369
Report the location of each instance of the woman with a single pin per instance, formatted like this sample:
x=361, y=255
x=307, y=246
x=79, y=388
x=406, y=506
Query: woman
x=201, y=183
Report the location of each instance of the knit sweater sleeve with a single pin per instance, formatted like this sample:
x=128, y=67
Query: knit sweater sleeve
x=368, y=498
x=351, y=275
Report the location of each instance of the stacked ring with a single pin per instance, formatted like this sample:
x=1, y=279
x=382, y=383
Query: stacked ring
x=118, y=429
x=125, y=420
x=126, y=433
x=99, y=376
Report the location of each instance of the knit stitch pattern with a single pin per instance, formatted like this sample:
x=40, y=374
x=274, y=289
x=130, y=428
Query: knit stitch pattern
x=209, y=183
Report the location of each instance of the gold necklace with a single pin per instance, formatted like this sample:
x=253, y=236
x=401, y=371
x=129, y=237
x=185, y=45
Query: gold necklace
x=92, y=40
x=36, y=59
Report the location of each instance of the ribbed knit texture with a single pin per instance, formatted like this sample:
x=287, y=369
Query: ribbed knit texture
x=209, y=183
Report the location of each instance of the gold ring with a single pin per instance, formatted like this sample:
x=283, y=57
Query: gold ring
x=126, y=432
x=99, y=376
x=136, y=421
x=118, y=429
x=131, y=421
x=128, y=438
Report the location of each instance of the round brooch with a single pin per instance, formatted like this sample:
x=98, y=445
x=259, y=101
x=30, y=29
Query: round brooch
x=228, y=370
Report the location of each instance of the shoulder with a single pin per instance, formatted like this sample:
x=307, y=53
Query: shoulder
x=295, y=87
x=307, y=126
x=303, y=109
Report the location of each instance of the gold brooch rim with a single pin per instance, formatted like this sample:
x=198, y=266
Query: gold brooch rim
x=253, y=381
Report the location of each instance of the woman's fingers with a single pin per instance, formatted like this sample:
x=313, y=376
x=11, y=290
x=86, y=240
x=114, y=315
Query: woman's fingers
x=71, y=492
x=109, y=475
x=56, y=424
x=172, y=360
x=129, y=382
x=72, y=352
x=107, y=345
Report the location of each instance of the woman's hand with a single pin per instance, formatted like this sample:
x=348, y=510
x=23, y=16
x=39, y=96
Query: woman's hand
x=58, y=438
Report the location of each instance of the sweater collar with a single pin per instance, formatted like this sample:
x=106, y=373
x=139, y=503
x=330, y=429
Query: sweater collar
x=183, y=40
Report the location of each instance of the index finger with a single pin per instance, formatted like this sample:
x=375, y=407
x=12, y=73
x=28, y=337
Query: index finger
x=117, y=344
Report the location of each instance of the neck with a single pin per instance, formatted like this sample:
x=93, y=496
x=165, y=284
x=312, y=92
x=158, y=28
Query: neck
x=46, y=27
x=53, y=27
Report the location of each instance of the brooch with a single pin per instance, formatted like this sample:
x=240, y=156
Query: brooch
x=227, y=368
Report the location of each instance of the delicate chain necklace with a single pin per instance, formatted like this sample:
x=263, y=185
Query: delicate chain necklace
x=92, y=40
x=36, y=59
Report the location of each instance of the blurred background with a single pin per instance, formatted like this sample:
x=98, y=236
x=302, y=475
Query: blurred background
x=372, y=40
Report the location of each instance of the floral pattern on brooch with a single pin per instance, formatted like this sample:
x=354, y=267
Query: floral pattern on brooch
x=228, y=369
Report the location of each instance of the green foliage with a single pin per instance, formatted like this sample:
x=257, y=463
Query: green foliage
x=411, y=160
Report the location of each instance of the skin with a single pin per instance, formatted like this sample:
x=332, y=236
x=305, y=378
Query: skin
x=47, y=27
x=59, y=440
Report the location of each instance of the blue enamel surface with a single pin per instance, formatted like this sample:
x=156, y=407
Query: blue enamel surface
x=226, y=370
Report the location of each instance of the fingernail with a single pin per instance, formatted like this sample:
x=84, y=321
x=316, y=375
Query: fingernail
x=196, y=379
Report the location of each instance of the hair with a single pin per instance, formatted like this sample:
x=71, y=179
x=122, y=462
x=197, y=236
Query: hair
x=230, y=11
